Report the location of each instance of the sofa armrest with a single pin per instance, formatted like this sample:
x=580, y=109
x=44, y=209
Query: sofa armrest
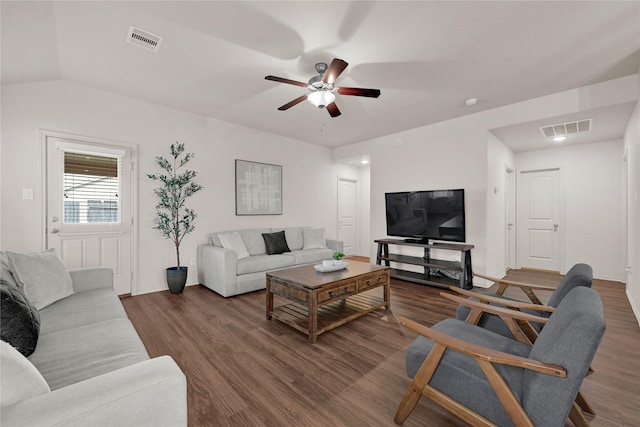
x=85, y=279
x=153, y=392
x=336, y=245
x=217, y=269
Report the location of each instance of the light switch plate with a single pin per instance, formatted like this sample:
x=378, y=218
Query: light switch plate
x=27, y=194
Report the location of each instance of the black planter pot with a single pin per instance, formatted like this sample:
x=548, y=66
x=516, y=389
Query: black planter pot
x=176, y=279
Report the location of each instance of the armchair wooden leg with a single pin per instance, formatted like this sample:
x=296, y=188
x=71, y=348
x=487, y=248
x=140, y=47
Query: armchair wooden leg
x=577, y=418
x=584, y=405
x=420, y=380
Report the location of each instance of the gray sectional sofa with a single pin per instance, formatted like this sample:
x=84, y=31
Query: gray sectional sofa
x=89, y=366
x=223, y=271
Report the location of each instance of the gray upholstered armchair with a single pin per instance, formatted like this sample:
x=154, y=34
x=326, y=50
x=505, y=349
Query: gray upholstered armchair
x=488, y=379
x=578, y=275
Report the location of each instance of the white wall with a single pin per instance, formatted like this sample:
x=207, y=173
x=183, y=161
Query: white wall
x=309, y=173
x=364, y=220
x=429, y=158
x=460, y=153
x=632, y=147
x=499, y=158
x=591, y=203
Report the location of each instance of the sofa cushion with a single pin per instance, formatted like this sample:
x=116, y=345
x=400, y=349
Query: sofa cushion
x=5, y=270
x=234, y=242
x=42, y=275
x=260, y=263
x=314, y=238
x=19, y=379
x=81, y=308
x=253, y=240
x=311, y=255
x=19, y=319
x=275, y=243
x=294, y=237
x=72, y=355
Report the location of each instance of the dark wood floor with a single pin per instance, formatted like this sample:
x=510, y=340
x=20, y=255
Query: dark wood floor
x=243, y=370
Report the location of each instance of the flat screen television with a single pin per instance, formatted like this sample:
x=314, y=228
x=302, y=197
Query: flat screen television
x=426, y=215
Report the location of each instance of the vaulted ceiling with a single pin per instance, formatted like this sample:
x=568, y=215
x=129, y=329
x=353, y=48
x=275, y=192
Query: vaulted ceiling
x=427, y=57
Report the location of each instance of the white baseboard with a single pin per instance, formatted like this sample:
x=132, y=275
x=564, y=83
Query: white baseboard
x=609, y=278
x=483, y=283
x=634, y=306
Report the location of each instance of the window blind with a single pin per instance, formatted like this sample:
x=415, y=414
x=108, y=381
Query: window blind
x=91, y=186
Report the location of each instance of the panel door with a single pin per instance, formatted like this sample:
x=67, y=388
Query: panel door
x=539, y=220
x=347, y=211
x=89, y=212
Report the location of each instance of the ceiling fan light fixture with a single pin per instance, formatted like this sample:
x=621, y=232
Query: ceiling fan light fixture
x=321, y=98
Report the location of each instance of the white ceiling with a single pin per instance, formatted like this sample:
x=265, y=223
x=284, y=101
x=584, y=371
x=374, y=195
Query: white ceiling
x=426, y=57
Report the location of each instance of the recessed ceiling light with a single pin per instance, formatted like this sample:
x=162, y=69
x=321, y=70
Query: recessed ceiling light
x=364, y=162
x=559, y=138
x=471, y=101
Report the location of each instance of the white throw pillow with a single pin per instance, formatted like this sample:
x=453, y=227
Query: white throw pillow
x=19, y=379
x=42, y=276
x=5, y=270
x=313, y=238
x=234, y=242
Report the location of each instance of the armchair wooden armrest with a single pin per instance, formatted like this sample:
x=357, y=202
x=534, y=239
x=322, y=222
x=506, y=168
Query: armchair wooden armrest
x=483, y=353
x=518, y=322
x=527, y=288
x=517, y=305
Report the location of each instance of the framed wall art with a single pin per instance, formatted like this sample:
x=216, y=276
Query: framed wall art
x=258, y=188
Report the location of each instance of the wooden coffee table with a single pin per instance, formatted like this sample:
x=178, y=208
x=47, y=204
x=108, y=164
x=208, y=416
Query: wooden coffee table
x=323, y=301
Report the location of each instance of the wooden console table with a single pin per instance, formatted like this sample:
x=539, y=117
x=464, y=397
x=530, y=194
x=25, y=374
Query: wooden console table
x=436, y=272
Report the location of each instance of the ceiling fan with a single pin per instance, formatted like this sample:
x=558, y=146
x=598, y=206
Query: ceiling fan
x=322, y=89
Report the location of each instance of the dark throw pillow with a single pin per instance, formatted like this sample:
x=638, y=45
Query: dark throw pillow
x=19, y=319
x=275, y=243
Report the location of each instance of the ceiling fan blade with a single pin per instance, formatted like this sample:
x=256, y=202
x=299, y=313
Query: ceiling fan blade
x=356, y=91
x=335, y=69
x=287, y=81
x=290, y=104
x=333, y=110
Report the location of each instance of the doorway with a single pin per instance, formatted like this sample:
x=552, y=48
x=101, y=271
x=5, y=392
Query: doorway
x=347, y=215
x=90, y=205
x=539, y=222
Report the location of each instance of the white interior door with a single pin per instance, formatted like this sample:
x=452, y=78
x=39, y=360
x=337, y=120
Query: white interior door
x=347, y=211
x=89, y=206
x=539, y=220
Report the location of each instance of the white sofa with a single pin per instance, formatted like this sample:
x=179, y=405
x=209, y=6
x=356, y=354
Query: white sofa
x=89, y=366
x=220, y=270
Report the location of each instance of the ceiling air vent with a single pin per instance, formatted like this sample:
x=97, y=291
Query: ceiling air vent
x=569, y=128
x=144, y=39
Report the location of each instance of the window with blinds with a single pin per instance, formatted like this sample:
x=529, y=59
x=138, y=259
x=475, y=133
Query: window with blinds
x=91, y=186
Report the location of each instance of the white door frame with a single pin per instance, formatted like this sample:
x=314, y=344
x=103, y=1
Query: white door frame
x=625, y=206
x=511, y=218
x=356, y=226
x=44, y=136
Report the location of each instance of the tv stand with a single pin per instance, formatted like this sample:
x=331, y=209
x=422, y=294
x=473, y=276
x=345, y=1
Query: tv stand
x=420, y=241
x=436, y=272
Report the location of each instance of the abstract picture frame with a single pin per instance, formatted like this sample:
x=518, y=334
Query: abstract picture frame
x=258, y=188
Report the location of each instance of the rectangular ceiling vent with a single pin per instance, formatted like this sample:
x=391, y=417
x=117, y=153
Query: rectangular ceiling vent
x=565, y=129
x=144, y=39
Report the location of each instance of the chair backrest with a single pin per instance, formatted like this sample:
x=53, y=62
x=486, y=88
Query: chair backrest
x=579, y=275
x=570, y=339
